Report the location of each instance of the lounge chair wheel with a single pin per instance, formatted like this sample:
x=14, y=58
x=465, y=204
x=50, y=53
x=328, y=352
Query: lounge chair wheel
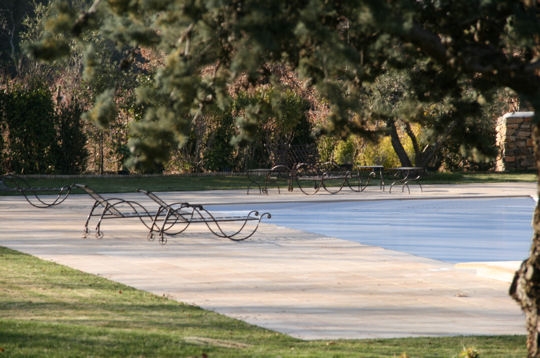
x=99, y=235
x=151, y=236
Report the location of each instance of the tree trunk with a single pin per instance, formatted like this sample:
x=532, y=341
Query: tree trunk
x=396, y=144
x=525, y=288
x=421, y=157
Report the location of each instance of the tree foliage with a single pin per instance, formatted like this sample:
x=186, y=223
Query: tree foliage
x=12, y=15
x=70, y=153
x=40, y=138
x=338, y=47
x=29, y=118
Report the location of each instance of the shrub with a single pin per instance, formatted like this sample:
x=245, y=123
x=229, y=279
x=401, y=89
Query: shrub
x=31, y=136
x=37, y=140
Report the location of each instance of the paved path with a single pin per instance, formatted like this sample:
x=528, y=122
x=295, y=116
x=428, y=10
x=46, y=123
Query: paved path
x=307, y=285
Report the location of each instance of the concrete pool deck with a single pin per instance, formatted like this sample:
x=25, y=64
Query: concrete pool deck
x=306, y=285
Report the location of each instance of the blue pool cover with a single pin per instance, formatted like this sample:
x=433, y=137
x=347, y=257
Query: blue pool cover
x=450, y=230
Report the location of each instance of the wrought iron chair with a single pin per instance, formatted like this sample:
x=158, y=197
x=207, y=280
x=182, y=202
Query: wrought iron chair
x=115, y=208
x=174, y=218
x=39, y=197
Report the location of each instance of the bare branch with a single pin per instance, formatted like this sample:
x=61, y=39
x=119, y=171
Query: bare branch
x=84, y=18
x=185, y=37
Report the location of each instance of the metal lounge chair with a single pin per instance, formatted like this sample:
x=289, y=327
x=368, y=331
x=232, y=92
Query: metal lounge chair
x=173, y=219
x=39, y=197
x=115, y=208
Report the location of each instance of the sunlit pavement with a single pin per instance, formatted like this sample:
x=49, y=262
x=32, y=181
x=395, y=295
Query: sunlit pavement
x=311, y=283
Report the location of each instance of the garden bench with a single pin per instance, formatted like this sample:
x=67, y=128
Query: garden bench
x=174, y=218
x=39, y=197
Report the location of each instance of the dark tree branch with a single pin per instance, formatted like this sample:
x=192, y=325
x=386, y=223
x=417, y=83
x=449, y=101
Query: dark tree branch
x=429, y=42
x=479, y=59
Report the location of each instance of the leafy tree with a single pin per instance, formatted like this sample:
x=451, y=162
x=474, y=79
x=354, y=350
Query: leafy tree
x=12, y=14
x=70, y=153
x=493, y=44
x=277, y=120
x=24, y=77
x=29, y=119
x=40, y=138
x=337, y=46
x=450, y=123
x=219, y=153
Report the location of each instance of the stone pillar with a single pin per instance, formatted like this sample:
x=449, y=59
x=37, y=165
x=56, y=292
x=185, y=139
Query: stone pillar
x=515, y=143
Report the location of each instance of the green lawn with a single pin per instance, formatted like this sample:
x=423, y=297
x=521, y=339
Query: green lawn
x=49, y=310
x=130, y=183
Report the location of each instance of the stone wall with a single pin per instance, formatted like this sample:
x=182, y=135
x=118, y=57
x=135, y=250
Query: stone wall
x=515, y=143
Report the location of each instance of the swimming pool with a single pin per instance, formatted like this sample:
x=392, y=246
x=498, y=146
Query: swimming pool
x=450, y=230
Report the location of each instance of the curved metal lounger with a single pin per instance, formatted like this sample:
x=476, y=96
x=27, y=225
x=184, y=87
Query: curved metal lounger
x=213, y=223
x=356, y=183
x=311, y=177
x=176, y=214
x=114, y=208
x=34, y=195
x=175, y=219
x=185, y=214
x=334, y=183
x=308, y=178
